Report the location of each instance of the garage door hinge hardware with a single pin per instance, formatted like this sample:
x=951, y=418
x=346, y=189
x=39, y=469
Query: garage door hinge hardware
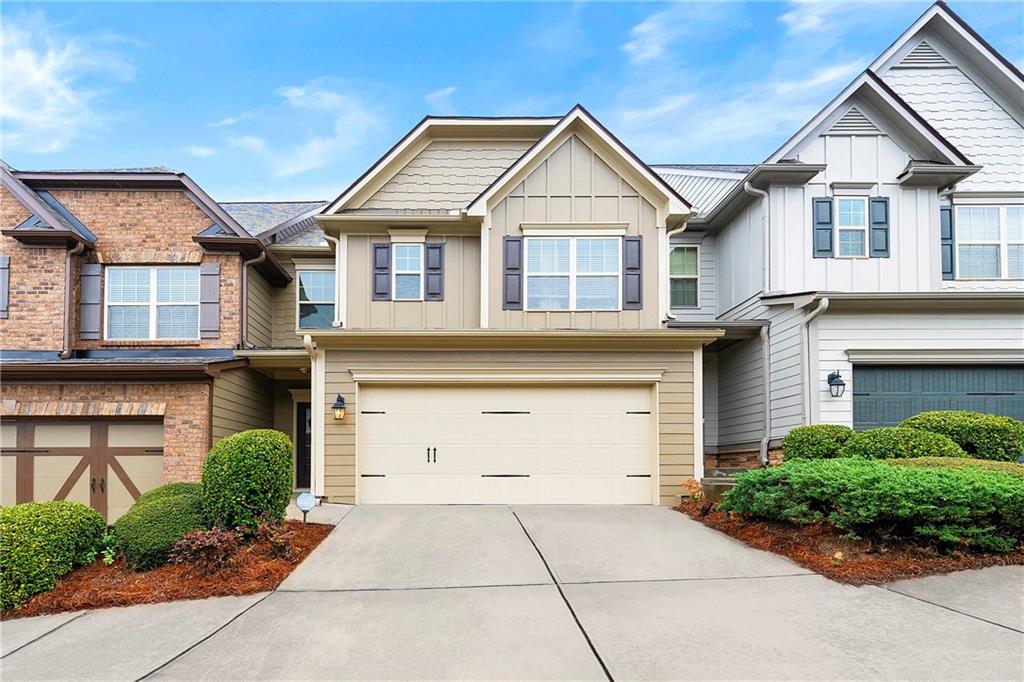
x=638, y=475
x=992, y=393
x=504, y=412
x=372, y=475
x=156, y=451
x=24, y=450
x=638, y=411
x=504, y=475
x=372, y=412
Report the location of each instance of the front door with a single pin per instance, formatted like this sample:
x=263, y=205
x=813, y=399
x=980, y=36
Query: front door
x=303, y=431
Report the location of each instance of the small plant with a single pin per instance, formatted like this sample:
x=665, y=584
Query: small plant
x=247, y=478
x=693, y=489
x=899, y=442
x=985, y=436
x=208, y=551
x=146, y=533
x=109, y=548
x=818, y=441
x=276, y=538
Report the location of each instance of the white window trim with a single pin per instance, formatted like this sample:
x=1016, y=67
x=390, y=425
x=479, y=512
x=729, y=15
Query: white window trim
x=307, y=267
x=571, y=274
x=671, y=277
x=152, y=304
x=851, y=228
x=395, y=272
x=1003, y=243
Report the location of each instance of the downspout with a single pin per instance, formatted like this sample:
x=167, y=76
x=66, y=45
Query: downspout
x=766, y=350
x=808, y=389
x=69, y=260
x=668, y=264
x=243, y=332
x=765, y=223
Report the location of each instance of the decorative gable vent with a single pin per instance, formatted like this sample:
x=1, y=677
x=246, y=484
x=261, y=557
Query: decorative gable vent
x=854, y=123
x=923, y=56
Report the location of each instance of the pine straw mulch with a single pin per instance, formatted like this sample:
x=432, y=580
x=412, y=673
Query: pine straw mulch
x=820, y=548
x=98, y=586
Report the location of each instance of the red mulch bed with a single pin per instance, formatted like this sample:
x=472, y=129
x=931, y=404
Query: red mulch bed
x=99, y=586
x=820, y=548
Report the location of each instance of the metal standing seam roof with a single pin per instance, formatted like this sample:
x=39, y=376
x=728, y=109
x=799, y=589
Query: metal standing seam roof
x=703, y=186
x=258, y=217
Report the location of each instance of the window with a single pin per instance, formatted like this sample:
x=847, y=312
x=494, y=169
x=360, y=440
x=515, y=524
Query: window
x=573, y=273
x=990, y=242
x=852, y=226
x=408, y=272
x=316, y=299
x=683, y=269
x=152, y=302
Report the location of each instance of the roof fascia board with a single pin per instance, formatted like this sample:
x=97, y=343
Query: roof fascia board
x=211, y=208
x=763, y=175
x=29, y=199
x=668, y=170
x=268, y=234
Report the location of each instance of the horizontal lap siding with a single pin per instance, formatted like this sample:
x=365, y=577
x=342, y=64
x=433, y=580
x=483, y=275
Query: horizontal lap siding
x=675, y=401
x=260, y=311
x=242, y=399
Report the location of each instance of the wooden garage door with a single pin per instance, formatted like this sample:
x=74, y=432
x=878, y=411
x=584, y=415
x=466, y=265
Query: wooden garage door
x=885, y=395
x=105, y=464
x=506, y=444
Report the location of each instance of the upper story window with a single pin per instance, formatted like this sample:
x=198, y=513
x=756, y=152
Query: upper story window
x=852, y=226
x=316, y=298
x=684, y=277
x=408, y=272
x=152, y=302
x=573, y=273
x=990, y=242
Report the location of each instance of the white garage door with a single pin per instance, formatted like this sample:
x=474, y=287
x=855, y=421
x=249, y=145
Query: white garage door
x=506, y=444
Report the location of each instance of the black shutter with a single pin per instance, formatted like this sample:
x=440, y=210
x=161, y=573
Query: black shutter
x=381, y=272
x=946, y=231
x=5, y=285
x=512, y=284
x=433, y=287
x=632, y=277
x=89, y=301
x=209, y=300
x=821, y=235
x=878, y=227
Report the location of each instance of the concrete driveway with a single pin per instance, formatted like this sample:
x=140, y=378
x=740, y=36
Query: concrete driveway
x=529, y=593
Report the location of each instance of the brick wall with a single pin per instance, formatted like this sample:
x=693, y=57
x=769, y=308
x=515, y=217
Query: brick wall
x=747, y=459
x=186, y=419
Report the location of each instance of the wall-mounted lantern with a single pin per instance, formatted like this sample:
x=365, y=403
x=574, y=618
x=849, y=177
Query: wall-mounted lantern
x=836, y=385
x=339, y=408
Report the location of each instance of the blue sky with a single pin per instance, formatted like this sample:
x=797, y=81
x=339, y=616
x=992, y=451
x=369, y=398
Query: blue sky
x=293, y=101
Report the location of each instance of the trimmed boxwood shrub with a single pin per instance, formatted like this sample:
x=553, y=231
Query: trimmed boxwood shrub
x=818, y=441
x=40, y=542
x=985, y=436
x=147, y=532
x=247, y=478
x=170, y=490
x=898, y=442
x=1011, y=468
x=968, y=507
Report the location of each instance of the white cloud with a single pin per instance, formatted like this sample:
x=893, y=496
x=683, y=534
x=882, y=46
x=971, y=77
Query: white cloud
x=200, y=151
x=440, y=101
x=661, y=108
x=52, y=82
x=825, y=76
x=652, y=38
x=227, y=121
x=807, y=15
x=248, y=142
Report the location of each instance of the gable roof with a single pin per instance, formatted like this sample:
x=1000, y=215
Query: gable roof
x=579, y=116
x=261, y=217
x=47, y=214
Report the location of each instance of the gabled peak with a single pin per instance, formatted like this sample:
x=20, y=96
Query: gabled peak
x=923, y=56
x=853, y=122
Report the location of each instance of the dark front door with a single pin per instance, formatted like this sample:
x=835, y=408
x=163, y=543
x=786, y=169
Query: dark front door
x=303, y=431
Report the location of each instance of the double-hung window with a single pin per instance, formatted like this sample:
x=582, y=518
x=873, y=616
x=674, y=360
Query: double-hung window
x=852, y=226
x=990, y=242
x=152, y=302
x=408, y=272
x=316, y=298
x=573, y=273
x=684, y=277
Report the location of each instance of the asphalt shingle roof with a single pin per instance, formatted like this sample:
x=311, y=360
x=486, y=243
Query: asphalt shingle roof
x=258, y=217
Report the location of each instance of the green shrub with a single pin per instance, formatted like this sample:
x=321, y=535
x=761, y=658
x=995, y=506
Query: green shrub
x=819, y=441
x=985, y=436
x=147, y=532
x=966, y=507
x=1011, y=468
x=170, y=490
x=898, y=442
x=247, y=478
x=40, y=542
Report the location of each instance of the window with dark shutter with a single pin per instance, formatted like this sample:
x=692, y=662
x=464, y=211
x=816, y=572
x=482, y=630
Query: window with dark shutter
x=433, y=286
x=381, y=272
x=89, y=301
x=209, y=300
x=632, y=275
x=512, y=280
x=879, y=227
x=5, y=285
x=946, y=239
x=821, y=236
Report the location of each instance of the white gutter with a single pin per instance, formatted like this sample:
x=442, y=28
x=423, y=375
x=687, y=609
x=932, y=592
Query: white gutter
x=765, y=224
x=809, y=373
x=766, y=373
x=340, y=301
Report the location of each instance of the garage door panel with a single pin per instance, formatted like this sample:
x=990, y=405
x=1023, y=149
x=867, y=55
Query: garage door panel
x=8, y=481
x=51, y=472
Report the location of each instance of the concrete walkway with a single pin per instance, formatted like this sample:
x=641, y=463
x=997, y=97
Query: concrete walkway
x=493, y=592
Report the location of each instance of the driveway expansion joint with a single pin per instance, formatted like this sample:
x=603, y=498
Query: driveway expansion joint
x=48, y=632
x=423, y=588
x=950, y=608
x=686, y=580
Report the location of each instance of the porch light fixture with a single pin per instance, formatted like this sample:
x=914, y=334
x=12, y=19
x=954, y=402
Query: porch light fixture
x=339, y=408
x=836, y=385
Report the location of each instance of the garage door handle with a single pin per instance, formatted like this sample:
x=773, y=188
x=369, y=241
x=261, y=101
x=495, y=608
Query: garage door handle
x=102, y=488
x=92, y=485
x=428, y=454
x=435, y=455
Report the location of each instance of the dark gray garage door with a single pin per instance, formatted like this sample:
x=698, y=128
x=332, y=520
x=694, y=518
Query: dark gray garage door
x=885, y=395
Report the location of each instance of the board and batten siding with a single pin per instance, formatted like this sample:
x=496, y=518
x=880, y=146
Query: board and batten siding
x=833, y=334
x=707, y=293
x=259, y=311
x=460, y=308
x=675, y=401
x=738, y=247
x=574, y=185
x=448, y=174
x=242, y=399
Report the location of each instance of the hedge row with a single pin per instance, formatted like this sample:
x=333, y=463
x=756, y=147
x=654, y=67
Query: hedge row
x=985, y=436
x=146, y=533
